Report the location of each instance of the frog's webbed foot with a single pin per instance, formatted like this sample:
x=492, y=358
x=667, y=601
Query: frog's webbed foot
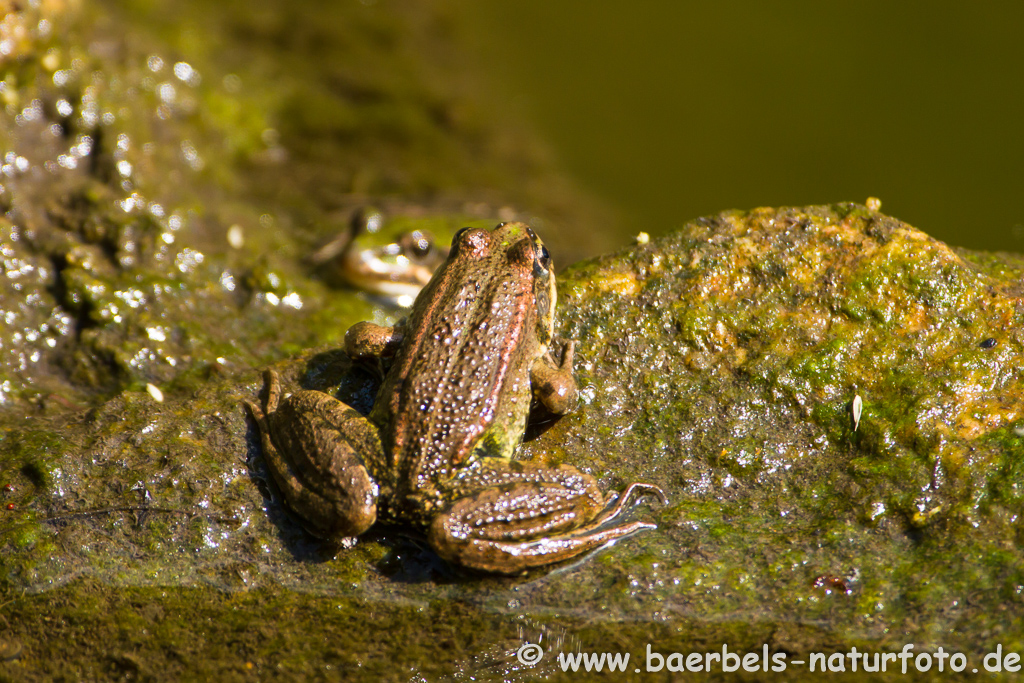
x=312, y=444
x=533, y=517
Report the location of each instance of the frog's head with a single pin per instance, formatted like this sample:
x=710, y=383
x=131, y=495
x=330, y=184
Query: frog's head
x=515, y=251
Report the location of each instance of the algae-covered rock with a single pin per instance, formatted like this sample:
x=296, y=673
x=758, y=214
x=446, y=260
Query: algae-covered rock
x=161, y=168
x=113, y=188
x=719, y=362
x=771, y=324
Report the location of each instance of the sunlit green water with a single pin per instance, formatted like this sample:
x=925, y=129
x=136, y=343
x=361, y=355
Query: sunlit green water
x=675, y=110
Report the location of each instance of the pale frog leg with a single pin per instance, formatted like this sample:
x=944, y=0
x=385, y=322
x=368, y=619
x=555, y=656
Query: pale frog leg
x=513, y=558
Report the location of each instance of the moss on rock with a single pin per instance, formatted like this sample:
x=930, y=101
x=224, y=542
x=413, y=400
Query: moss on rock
x=720, y=363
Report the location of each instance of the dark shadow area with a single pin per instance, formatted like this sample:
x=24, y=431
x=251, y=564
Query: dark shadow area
x=410, y=559
x=541, y=420
x=334, y=373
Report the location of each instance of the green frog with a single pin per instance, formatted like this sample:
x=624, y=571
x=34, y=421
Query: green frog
x=436, y=450
x=392, y=267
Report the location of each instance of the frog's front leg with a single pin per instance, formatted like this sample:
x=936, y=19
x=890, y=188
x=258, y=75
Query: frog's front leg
x=527, y=517
x=367, y=340
x=553, y=385
x=314, y=446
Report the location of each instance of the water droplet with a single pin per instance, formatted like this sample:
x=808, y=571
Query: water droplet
x=155, y=392
x=236, y=236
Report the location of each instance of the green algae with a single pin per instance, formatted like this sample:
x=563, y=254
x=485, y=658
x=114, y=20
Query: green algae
x=783, y=517
x=152, y=183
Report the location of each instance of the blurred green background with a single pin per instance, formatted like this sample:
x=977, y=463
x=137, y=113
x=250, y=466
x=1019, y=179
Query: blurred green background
x=674, y=110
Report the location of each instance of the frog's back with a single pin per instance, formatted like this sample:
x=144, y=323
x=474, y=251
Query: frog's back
x=463, y=366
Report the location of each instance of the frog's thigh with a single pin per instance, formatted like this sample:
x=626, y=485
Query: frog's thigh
x=530, y=519
x=319, y=446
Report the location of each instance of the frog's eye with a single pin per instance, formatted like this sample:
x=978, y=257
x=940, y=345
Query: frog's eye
x=416, y=243
x=459, y=235
x=542, y=263
x=544, y=257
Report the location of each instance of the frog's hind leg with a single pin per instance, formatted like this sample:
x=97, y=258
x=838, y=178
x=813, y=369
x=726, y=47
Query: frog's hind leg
x=315, y=461
x=531, y=517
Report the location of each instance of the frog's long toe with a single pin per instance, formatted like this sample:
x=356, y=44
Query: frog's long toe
x=624, y=499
